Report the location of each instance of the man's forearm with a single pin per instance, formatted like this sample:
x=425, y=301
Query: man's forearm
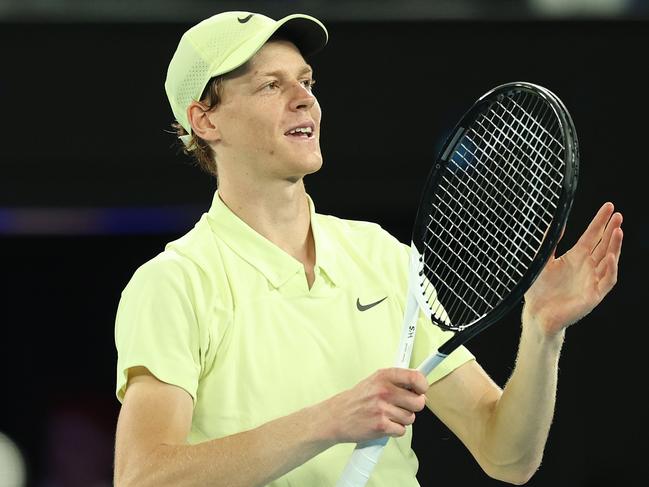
x=519, y=425
x=251, y=458
x=156, y=418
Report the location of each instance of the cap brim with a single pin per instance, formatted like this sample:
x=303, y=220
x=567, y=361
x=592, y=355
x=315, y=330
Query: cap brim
x=307, y=33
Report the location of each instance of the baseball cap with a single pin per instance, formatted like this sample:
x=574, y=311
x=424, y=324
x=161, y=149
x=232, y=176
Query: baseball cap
x=224, y=42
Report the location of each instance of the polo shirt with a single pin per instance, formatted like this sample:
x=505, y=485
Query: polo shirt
x=228, y=316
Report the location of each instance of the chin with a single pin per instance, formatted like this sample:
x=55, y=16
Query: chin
x=309, y=166
x=294, y=166
x=315, y=165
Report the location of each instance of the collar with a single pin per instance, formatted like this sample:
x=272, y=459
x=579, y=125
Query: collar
x=276, y=265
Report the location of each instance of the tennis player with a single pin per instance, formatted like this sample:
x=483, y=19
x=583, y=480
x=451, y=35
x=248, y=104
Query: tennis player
x=256, y=349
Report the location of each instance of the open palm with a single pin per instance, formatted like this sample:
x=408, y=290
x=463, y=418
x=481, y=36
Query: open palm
x=570, y=286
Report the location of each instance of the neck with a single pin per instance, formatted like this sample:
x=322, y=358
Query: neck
x=280, y=214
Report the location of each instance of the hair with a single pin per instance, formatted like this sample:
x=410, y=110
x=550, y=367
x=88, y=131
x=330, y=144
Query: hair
x=202, y=153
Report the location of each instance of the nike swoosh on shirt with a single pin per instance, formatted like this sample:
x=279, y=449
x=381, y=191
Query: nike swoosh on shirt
x=245, y=19
x=365, y=307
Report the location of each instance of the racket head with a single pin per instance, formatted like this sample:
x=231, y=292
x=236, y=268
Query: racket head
x=509, y=129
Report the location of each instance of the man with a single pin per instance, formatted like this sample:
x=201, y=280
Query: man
x=256, y=349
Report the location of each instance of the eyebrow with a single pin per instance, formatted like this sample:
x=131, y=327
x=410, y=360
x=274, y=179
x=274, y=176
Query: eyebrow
x=306, y=69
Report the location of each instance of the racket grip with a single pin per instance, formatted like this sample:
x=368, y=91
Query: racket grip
x=362, y=462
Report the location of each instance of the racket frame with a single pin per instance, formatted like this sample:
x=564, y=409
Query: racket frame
x=569, y=185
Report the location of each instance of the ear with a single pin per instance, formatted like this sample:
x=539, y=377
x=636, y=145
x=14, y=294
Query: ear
x=202, y=125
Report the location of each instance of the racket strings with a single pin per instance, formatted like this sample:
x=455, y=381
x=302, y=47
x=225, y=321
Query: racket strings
x=532, y=144
x=493, y=197
x=467, y=282
x=533, y=160
x=521, y=176
x=550, y=144
x=490, y=239
x=509, y=135
x=491, y=276
x=524, y=194
x=511, y=129
x=492, y=207
x=534, y=174
x=555, y=135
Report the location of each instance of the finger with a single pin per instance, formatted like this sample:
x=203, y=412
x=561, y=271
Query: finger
x=593, y=233
x=401, y=417
x=407, y=400
x=607, y=269
x=609, y=275
x=614, y=249
x=409, y=379
x=392, y=428
x=616, y=243
x=603, y=246
x=393, y=421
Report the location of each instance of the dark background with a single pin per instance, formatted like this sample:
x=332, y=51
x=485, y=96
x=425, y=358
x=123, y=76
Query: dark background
x=86, y=165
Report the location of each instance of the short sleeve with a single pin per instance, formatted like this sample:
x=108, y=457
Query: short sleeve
x=157, y=327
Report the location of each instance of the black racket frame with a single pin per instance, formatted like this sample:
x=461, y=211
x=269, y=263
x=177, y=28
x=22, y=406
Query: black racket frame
x=571, y=176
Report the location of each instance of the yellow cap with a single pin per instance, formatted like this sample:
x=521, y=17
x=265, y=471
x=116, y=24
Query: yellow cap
x=224, y=42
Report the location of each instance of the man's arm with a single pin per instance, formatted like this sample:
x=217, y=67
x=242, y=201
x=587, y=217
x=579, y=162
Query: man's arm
x=155, y=420
x=506, y=431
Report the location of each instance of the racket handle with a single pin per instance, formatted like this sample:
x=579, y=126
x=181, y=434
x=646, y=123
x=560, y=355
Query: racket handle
x=365, y=456
x=432, y=361
x=362, y=462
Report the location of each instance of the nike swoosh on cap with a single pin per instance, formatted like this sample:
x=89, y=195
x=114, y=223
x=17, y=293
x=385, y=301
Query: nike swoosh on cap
x=365, y=307
x=245, y=19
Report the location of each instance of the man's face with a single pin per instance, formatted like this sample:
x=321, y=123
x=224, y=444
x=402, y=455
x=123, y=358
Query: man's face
x=268, y=118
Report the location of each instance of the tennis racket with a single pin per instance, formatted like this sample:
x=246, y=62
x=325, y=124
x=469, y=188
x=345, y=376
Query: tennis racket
x=490, y=216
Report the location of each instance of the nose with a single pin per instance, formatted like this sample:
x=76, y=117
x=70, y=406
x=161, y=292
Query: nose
x=301, y=98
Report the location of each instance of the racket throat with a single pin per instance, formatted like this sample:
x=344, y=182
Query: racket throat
x=432, y=361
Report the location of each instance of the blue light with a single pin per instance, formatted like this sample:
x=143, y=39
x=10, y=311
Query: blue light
x=98, y=221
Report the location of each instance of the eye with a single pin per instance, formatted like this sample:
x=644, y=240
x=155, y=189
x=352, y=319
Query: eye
x=308, y=83
x=271, y=86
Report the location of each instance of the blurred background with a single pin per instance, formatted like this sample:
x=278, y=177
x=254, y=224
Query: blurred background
x=92, y=185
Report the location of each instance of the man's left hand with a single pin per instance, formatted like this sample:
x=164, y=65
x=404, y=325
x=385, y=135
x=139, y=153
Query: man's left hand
x=570, y=286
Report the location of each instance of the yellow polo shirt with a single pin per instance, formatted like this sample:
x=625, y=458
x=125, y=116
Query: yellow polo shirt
x=228, y=316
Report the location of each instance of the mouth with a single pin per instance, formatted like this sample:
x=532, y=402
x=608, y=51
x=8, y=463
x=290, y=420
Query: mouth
x=303, y=131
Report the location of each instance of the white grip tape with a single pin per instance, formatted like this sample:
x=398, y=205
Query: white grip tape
x=366, y=455
x=362, y=462
x=359, y=467
x=408, y=331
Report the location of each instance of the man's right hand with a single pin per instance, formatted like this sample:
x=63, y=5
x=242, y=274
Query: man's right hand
x=152, y=450
x=381, y=405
